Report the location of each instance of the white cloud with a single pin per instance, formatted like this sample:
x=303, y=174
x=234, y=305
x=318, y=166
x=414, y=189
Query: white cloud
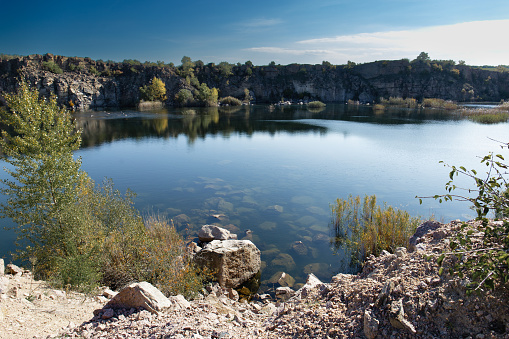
x=477, y=42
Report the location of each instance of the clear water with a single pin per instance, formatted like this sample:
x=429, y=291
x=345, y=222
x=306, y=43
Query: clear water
x=275, y=171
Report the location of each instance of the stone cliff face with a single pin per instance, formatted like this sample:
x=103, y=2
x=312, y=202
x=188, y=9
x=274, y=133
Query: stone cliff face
x=89, y=84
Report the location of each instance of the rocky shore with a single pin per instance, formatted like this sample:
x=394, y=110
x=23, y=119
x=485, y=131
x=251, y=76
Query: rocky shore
x=397, y=295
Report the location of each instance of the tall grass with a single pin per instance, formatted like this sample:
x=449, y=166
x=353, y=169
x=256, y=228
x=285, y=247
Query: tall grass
x=398, y=101
x=439, y=103
x=363, y=228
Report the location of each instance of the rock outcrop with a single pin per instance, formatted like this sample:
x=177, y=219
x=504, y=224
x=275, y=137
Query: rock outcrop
x=85, y=83
x=233, y=262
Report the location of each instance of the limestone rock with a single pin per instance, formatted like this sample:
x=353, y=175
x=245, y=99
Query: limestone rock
x=141, y=294
x=421, y=231
x=397, y=317
x=282, y=279
x=400, y=252
x=2, y=267
x=14, y=270
x=233, y=261
x=370, y=325
x=212, y=232
x=299, y=248
x=4, y=285
x=179, y=302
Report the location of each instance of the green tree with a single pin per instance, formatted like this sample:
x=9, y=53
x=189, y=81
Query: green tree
x=184, y=97
x=225, y=69
x=156, y=91
x=423, y=57
x=186, y=67
x=46, y=176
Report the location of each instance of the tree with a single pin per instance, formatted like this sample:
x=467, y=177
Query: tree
x=187, y=66
x=225, y=69
x=156, y=91
x=423, y=57
x=46, y=177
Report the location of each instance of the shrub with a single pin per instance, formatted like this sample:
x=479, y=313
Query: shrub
x=80, y=234
x=230, y=101
x=364, y=228
x=489, y=118
x=156, y=91
x=439, y=103
x=184, y=97
x=94, y=71
x=51, y=67
x=316, y=104
x=398, y=101
x=485, y=265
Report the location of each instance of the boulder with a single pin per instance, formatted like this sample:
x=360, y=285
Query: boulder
x=421, y=231
x=141, y=294
x=4, y=285
x=212, y=232
x=233, y=262
x=2, y=267
x=14, y=270
x=397, y=317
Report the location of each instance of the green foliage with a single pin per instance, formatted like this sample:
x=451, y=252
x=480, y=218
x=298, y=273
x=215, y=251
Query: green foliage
x=230, y=101
x=485, y=263
x=225, y=69
x=46, y=176
x=247, y=96
x=423, y=57
x=94, y=71
x=79, y=234
x=184, y=97
x=489, y=117
x=364, y=228
x=186, y=69
x=156, y=91
x=52, y=67
x=206, y=96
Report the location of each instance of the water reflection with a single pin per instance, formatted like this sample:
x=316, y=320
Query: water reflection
x=197, y=123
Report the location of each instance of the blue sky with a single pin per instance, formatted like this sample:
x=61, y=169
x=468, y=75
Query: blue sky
x=296, y=31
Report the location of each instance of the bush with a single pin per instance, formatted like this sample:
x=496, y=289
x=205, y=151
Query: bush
x=184, y=97
x=398, y=101
x=80, y=234
x=438, y=103
x=364, y=228
x=485, y=265
x=316, y=104
x=156, y=91
x=230, y=101
x=489, y=118
x=51, y=67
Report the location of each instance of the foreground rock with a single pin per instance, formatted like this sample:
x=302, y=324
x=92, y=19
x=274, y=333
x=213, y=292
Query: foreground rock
x=233, y=262
x=140, y=295
x=395, y=296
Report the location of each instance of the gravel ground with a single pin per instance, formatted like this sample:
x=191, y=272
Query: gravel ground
x=396, y=295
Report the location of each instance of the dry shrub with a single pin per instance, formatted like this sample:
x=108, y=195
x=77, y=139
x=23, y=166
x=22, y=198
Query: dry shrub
x=398, y=101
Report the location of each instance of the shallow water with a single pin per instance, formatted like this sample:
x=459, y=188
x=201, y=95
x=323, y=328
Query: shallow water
x=272, y=173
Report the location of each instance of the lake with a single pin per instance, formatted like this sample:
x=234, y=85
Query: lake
x=270, y=174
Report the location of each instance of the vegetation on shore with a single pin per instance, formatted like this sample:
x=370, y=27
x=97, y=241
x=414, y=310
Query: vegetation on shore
x=316, y=104
x=77, y=233
x=364, y=228
x=487, y=265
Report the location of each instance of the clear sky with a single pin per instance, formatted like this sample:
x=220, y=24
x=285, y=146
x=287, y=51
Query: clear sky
x=284, y=31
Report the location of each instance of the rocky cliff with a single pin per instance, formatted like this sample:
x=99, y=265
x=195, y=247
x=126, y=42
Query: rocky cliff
x=83, y=83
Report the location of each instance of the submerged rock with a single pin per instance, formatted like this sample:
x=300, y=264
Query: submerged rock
x=212, y=232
